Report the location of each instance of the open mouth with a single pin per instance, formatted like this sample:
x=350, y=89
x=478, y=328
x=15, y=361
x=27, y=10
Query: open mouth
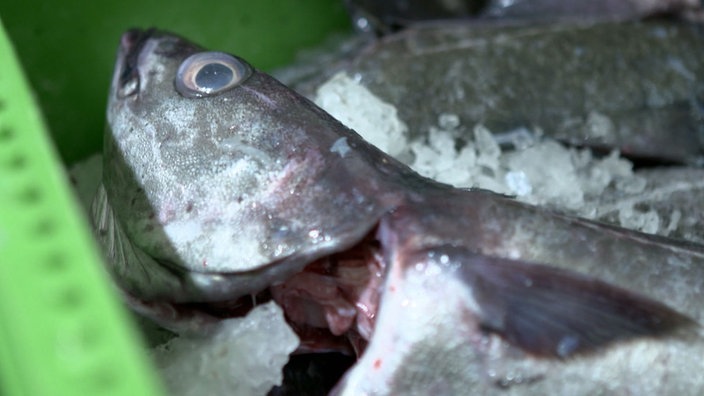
x=131, y=44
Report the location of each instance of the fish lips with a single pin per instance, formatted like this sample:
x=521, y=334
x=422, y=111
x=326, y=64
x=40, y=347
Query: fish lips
x=126, y=79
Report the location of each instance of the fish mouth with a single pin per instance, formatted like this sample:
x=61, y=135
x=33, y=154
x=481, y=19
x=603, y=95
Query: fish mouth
x=131, y=44
x=133, y=40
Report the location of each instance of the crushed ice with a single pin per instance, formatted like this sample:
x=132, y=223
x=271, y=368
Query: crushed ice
x=353, y=105
x=536, y=170
x=244, y=356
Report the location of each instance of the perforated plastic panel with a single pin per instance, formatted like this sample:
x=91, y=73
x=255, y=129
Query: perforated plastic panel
x=62, y=331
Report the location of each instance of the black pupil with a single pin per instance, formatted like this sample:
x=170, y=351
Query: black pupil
x=213, y=76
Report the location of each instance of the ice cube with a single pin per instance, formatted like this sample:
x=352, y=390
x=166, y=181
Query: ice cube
x=488, y=151
x=631, y=185
x=675, y=217
x=645, y=221
x=518, y=183
x=448, y=121
x=244, y=356
x=599, y=125
x=443, y=142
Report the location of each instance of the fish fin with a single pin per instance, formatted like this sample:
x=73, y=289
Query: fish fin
x=554, y=312
x=134, y=270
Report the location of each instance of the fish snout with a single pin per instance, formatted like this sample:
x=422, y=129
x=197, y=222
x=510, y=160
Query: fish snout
x=132, y=40
x=132, y=43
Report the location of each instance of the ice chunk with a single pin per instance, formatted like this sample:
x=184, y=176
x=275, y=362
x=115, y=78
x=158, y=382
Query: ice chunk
x=424, y=159
x=440, y=160
x=356, y=107
x=597, y=174
x=444, y=143
x=518, y=183
x=656, y=200
x=631, y=185
x=488, y=150
x=549, y=169
x=598, y=125
x=244, y=356
x=675, y=217
x=448, y=121
x=646, y=221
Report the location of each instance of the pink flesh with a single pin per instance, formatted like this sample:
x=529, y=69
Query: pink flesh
x=334, y=299
x=331, y=304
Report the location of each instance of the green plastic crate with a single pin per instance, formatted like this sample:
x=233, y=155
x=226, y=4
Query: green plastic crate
x=63, y=330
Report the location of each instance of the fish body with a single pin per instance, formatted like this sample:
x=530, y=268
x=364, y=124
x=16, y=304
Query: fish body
x=600, y=85
x=221, y=183
x=387, y=16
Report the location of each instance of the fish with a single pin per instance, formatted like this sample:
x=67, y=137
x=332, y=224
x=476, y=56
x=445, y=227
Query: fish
x=549, y=78
x=223, y=188
x=604, y=9
x=384, y=17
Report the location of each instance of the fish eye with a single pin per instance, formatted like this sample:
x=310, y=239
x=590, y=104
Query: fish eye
x=209, y=73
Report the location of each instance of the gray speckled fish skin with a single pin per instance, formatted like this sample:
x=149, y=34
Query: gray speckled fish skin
x=665, y=269
x=442, y=350
x=644, y=77
x=215, y=185
x=207, y=199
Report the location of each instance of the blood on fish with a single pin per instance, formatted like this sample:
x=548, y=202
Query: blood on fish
x=377, y=364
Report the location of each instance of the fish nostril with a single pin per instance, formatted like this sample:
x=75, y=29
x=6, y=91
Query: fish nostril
x=131, y=44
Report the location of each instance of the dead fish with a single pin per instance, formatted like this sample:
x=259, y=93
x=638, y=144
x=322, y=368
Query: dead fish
x=635, y=86
x=580, y=10
x=390, y=15
x=220, y=183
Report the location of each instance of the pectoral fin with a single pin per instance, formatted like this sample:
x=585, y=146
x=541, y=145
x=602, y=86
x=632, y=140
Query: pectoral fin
x=553, y=312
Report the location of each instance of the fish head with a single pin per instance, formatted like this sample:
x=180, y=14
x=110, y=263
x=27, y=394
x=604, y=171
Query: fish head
x=212, y=167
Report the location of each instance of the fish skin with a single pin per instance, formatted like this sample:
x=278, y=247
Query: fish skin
x=498, y=226
x=643, y=78
x=167, y=176
x=160, y=148
x=444, y=351
x=416, y=354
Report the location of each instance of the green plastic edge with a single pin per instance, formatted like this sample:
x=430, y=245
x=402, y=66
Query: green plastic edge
x=63, y=330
